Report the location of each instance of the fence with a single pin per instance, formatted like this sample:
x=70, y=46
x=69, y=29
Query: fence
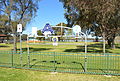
x=108, y=64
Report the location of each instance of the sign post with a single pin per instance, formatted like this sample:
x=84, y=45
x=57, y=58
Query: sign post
x=19, y=30
x=55, y=41
x=77, y=32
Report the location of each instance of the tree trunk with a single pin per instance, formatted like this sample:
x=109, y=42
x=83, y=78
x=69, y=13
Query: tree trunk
x=104, y=42
x=96, y=39
x=14, y=34
x=15, y=43
x=111, y=42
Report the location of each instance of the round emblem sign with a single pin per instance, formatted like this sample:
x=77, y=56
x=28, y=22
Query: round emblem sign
x=76, y=29
x=55, y=39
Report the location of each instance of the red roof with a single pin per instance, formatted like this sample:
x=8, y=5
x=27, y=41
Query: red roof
x=3, y=35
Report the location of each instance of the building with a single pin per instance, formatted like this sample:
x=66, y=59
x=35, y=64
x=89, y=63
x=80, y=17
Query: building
x=3, y=37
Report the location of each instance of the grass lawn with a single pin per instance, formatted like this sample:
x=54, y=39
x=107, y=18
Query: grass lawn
x=71, y=62
x=68, y=58
x=93, y=47
x=9, y=74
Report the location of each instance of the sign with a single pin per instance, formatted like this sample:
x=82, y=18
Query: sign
x=47, y=29
x=76, y=30
x=19, y=28
x=34, y=31
x=55, y=41
x=47, y=33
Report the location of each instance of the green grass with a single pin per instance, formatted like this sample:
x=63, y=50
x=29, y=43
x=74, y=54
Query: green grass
x=93, y=47
x=68, y=58
x=64, y=62
x=9, y=74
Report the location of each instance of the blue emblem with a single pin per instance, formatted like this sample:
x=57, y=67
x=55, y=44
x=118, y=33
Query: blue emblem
x=48, y=28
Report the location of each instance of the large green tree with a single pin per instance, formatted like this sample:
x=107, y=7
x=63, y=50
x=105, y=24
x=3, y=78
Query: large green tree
x=106, y=13
x=18, y=11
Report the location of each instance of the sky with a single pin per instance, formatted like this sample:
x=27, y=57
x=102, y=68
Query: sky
x=50, y=11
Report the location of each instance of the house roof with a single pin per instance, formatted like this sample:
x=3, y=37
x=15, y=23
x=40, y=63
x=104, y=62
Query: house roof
x=3, y=35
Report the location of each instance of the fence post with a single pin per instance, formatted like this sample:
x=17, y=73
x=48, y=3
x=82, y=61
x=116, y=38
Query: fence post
x=28, y=56
x=107, y=63
x=28, y=51
x=12, y=57
x=54, y=63
x=21, y=58
x=85, y=65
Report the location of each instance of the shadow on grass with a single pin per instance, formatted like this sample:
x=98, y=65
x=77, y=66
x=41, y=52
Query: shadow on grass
x=34, y=49
x=81, y=67
x=80, y=64
x=4, y=46
x=38, y=63
x=118, y=46
x=92, y=48
x=44, y=61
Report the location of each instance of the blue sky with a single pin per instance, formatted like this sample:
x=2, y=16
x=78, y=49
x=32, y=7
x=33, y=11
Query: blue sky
x=50, y=11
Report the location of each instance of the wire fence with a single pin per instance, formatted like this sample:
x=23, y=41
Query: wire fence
x=93, y=63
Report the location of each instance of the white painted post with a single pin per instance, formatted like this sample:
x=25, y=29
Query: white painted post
x=104, y=43
x=85, y=63
x=28, y=51
x=85, y=53
x=20, y=50
x=19, y=30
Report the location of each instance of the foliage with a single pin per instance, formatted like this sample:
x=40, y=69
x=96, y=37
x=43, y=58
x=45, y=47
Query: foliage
x=39, y=33
x=3, y=24
x=18, y=11
x=106, y=13
x=63, y=24
x=24, y=36
x=59, y=31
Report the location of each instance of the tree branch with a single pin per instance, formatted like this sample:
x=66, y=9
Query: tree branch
x=5, y=3
x=24, y=9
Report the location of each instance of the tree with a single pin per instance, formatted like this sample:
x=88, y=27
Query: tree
x=3, y=24
x=106, y=13
x=24, y=37
x=18, y=11
x=39, y=33
x=60, y=31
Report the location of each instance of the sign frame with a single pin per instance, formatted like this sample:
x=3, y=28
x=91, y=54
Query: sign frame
x=19, y=28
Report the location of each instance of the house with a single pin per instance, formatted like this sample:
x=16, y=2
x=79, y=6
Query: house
x=3, y=37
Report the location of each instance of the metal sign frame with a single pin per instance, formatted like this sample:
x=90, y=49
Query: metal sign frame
x=85, y=36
